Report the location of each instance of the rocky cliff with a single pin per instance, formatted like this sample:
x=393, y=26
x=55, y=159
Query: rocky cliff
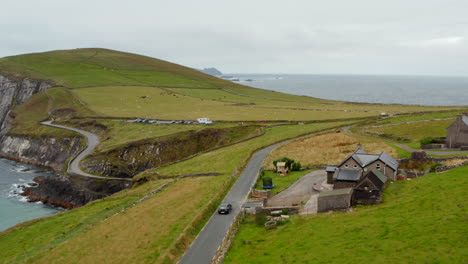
x=48, y=152
x=14, y=91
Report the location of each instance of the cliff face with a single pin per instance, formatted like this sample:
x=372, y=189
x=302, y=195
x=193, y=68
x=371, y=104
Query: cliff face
x=15, y=92
x=48, y=152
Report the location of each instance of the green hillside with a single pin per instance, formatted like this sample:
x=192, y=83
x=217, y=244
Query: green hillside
x=420, y=221
x=130, y=85
x=85, y=67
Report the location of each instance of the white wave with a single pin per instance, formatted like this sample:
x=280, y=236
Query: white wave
x=23, y=199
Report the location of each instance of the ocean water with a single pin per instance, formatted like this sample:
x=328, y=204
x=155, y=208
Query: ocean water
x=15, y=208
x=419, y=90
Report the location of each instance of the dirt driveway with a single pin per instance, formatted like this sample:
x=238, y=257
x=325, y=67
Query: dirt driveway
x=300, y=190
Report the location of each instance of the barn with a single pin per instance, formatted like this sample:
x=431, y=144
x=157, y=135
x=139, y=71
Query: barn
x=457, y=132
x=369, y=189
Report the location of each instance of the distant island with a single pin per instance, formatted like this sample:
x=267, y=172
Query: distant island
x=211, y=71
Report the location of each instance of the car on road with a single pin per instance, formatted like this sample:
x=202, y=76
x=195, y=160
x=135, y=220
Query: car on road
x=225, y=208
x=153, y=121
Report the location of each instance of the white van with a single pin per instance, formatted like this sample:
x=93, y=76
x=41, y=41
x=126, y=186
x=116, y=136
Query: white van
x=204, y=120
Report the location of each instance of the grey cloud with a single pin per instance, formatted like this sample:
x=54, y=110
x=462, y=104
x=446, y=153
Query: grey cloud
x=335, y=36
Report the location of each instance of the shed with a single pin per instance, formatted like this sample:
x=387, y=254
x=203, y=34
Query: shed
x=334, y=200
x=347, y=178
x=369, y=189
x=330, y=172
x=281, y=168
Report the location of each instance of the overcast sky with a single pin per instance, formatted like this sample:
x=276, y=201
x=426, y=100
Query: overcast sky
x=428, y=37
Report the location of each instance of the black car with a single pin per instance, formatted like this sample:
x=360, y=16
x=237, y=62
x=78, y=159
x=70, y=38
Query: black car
x=225, y=208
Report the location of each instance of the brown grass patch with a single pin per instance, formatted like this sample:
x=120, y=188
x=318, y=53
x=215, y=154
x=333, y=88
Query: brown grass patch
x=454, y=161
x=325, y=150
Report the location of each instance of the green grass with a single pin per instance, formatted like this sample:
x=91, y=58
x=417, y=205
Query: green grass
x=281, y=182
x=37, y=108
x=420, y=221
x=402, y=154
x=152, y=102
x=83, y=67
x=23, y=242
x=417, y=131
x=420, y=117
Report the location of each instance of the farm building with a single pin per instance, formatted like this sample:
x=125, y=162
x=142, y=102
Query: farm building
x=457, y=132
x=347, y=178
x=369, y=189
x=361, y=160
x=334, y=200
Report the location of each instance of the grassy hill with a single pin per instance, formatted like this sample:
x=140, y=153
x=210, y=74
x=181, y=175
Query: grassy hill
x=420, y=221
x=113, y=83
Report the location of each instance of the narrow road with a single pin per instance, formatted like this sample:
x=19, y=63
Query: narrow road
x=92, y=141
x=204, y=248
x=299, y=191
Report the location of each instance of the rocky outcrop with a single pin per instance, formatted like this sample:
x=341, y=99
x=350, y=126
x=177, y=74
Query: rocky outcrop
x=14, y=91
x=49, y=152
x=72, y=191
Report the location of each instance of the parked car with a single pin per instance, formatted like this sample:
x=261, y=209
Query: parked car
x=153, y=121
x=138, y=120
x=225, y=208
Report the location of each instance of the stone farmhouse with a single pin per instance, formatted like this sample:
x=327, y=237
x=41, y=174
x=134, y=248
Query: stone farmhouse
x=351, y=170
x=359, y=179
x=457, y=132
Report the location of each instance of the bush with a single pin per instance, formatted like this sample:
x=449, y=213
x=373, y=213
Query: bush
x=430, y=140
x=296, y=166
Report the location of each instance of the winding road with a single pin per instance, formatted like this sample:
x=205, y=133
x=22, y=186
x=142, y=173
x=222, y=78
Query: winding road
x=205, y=246
x=92, y=141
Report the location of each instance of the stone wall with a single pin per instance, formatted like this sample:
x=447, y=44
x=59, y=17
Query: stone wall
x=260, y=193
x=448, y=167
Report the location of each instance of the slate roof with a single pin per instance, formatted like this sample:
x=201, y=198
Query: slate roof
x=348, y=175
x=387, y=159
x=330, y=169
x=380, y=176
x=465, y=119
x=364, y=159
